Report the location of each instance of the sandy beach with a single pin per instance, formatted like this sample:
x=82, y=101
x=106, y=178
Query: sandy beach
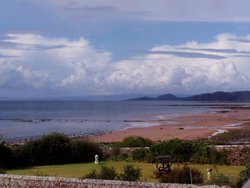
x=188, y=127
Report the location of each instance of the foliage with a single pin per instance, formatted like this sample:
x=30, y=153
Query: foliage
x=84, y=151
x=92, y=175
x=244, y=176
x=5, y=156
x=136, y=141
x=51, y=149
x=205, y=154
x=190, y=151
x=180, y=151
x=106, y=173
x=2, y=171
x=141, y=154
x=202, y=153
x=220, y=180
x=130, y=173
x=185, y=175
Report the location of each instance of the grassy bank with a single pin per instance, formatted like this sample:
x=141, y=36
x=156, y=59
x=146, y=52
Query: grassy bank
x=79, y=170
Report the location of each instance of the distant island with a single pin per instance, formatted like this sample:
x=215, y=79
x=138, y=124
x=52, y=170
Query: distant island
x=238, y=96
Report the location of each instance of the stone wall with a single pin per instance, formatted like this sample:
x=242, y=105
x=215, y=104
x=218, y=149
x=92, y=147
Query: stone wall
x=15, y=181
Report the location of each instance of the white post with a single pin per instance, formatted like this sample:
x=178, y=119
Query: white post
x=96, y=159
x=209, y=173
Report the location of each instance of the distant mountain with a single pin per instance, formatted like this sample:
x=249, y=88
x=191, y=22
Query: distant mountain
x=169, y=97
x=238, y=96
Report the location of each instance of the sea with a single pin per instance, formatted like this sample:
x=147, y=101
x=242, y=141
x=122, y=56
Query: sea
x=24, y=120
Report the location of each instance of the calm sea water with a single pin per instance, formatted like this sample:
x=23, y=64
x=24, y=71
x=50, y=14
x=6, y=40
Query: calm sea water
x=30, y=119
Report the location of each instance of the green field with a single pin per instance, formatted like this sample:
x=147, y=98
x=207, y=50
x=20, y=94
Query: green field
x=79, y=170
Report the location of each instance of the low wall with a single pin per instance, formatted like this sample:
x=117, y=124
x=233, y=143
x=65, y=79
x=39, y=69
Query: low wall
x=15, y=181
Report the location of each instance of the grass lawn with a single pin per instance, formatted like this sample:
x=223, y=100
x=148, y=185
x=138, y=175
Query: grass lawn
x=79, y=170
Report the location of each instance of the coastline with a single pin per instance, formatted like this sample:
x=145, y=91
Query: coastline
x=189, y=127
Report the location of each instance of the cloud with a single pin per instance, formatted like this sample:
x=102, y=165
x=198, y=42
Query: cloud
x=156, y=10
x=38, y=62
x=38, y=65
x=188, y=54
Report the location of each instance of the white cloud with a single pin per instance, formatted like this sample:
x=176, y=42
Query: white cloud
x=61, y=66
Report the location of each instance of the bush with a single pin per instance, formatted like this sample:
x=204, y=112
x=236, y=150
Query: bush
x=84, y=151
x=220, y=180
x=5, y=156
x=190, y=151
x=244, y=176
x=136, y=141
x=141, y=154
x=2, y=171
x=184, y=175
x=92, y=175
x=180, y=150
x=201, y=153
x=50, y=149
x=56, y=149
x=130, y=173
x=106, y=173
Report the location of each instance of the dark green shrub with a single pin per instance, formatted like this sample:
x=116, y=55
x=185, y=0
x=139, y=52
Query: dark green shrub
x=2, y=171
x=141, y=154
x=201, y=153
x=5, y=156
x=56, y=149
x=220, y=180
x=205, y=154
x=106, y=173
x=190, y=151
x=130, y=173
x=84, y=151
x=244, y=176
x=92, y=175
x=184, y=175
x=136, y=141
x=181, y=151
x=50, y=149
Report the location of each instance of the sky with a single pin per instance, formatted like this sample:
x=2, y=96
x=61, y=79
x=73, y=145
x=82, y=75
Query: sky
x=58, y=48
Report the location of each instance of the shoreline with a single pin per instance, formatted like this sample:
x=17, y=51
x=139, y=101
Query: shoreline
x=188, y=127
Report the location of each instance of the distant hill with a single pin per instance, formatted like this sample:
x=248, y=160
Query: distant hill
x=169, y=97
x=238, y=96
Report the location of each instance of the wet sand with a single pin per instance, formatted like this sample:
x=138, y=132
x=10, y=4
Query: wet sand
x=190, y=127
